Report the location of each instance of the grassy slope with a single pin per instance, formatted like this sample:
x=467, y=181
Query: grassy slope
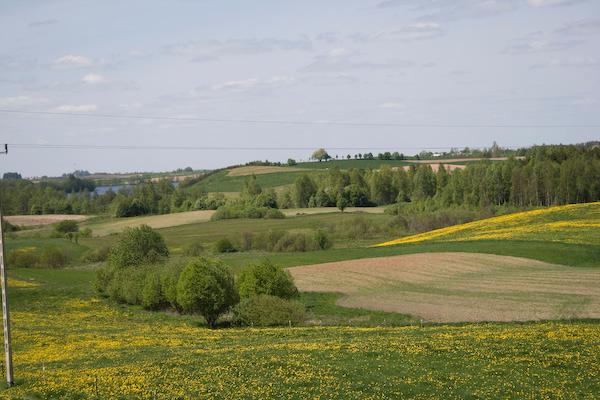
x=574, y=223
x=69, y=345
x=221, y=182
x=348, y=164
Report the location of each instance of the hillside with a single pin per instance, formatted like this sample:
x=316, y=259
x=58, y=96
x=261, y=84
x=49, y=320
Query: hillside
x=572, y=224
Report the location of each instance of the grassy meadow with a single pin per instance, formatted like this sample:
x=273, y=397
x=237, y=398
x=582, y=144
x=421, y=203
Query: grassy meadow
x=69, y=343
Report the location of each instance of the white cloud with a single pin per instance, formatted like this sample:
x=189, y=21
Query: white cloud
x=538, y=45
x=254, y=83
x=544, y=3
x=582, y=27
x=417, y=31
x=93, y=79
x=580, y=62
x=72, y=61
x=21, y=100
x=83, y=108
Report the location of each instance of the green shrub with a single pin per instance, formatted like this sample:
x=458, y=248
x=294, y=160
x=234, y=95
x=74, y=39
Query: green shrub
x=322, y=239
x=194, y=249
x=99, y=254
x=206, y=286
x=22, y=258
x=273, y=213
x=85, y=233
x=266, y=278
x=53, y=257
x=153, y=297
x=265, y=310
x=127, y=285
x=224, y=246
x=103, y=279
x=66, y=226
x=137, y=246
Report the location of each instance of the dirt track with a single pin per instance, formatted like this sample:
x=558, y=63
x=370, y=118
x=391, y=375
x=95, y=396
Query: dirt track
x=457, y=287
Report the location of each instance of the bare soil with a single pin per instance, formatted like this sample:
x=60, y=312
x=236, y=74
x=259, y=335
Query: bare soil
x=37, y=220
x=459, y=287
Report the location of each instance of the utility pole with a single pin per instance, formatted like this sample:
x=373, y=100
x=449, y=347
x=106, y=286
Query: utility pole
x=5, y=313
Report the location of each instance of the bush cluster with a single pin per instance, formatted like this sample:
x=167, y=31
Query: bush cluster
x=51, y=256
x=248, y=211
x=137, y=246
x=282, y=241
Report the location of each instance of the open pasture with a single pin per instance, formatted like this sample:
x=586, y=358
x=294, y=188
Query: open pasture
x=458, y=287
x=68, y=344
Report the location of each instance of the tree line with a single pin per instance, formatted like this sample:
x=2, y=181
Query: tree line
x=545, y=175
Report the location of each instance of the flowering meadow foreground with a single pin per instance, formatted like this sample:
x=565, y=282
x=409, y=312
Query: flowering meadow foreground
x=69, y=344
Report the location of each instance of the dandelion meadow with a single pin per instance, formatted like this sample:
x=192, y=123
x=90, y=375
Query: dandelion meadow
x=69, y=344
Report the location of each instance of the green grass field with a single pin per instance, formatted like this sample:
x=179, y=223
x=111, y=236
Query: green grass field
x=67, y=344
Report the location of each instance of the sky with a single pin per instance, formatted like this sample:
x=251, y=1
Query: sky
x=336, y=74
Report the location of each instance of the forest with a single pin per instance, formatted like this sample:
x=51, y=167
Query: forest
x=546, y=175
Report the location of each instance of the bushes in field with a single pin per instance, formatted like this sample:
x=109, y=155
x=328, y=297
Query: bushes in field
x=206, y=286
x=137, y=246
x=224, y=246
x=282, y=241
x=266, y=279
x=193, y=249
x=99, y=254
x=50, y=256
x=246, y=211
x=66, y=226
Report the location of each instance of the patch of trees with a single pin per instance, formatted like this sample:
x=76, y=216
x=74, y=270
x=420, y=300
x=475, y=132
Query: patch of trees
x=203, y=286
x=548, y=175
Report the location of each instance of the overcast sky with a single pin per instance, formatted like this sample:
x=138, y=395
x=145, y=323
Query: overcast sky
x=382, y=61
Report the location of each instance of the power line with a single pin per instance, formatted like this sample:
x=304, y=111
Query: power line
x=298, y=122
x=224, y=148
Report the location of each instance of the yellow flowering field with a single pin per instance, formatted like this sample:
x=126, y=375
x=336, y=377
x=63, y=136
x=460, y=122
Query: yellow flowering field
x=69, y=344
x=574, y=223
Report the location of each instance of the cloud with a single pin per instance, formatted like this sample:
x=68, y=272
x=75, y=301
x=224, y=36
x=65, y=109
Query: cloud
x=453, y=10
x=537, y=42
x=93, y=79
x=44, y=22
x=83, y=108
x=341, y=59
x=417, y=31
x=544, y=3
x=581, y=27
x=21, y=100
x=580, y=62
x=208, y=50
x=71, y=61
x=254, y=83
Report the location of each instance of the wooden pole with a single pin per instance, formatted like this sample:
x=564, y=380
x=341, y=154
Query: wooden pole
x=5, y=312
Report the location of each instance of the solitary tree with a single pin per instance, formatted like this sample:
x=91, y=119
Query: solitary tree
x=320, y=155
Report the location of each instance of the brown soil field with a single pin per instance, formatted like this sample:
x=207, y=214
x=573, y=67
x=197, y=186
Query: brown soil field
x=458, y=287
x=36, y=220
x=257, y=170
